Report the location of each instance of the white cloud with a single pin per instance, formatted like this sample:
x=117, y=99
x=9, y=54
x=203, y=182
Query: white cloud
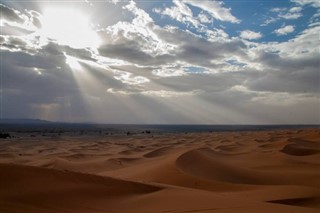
x=284, y=30
x=166, y=93
x=306, y=44
x=295, y=9
x=291, y=15
x=278, y=9
x=157, y=93
x=314, y=3
x=184, y=9
x=250, y=35
x=269, y=21
x=215, y=8
x=283, y=13
x=27, y=20
x=128, y=78
x=169, y=70
x=115, y=1
x=140, y=34
x=180, y=12
x=214, y=35
x=142, y=18
x=315, y=19
x=204, y=18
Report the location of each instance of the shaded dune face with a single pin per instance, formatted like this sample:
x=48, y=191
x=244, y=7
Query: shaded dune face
x=12, y=177
x=206, y=163
x=300, y=147
x=201, y=163
x=32, y=189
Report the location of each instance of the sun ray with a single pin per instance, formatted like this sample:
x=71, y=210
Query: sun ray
x=73, y=63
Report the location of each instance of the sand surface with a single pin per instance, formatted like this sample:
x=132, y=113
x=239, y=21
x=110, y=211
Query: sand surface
x=258, y=171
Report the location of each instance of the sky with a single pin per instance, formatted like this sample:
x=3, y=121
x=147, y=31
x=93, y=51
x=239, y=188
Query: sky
x=161, y=62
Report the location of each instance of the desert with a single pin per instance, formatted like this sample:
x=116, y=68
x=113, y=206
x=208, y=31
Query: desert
x=149, y=106
x=224, y=171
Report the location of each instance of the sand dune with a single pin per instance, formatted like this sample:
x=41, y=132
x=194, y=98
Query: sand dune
x=265, y=171
x=25, y=188
x=156, y=152
x=300, y=147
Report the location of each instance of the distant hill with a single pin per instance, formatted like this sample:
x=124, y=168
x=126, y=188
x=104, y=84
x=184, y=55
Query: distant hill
x=24, y=121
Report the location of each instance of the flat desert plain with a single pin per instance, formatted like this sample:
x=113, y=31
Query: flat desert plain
x=247, y=171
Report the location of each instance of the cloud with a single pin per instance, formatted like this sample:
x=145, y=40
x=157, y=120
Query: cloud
x=215, y=8
x=210, y=10
x=283, y=13
x=26, y=88
x=284, y=30
x=115, y=1
x=196, y=50
x=295, y=9
x=269, y=20
x=204, y=18
x=180, y=12
x=145, y=71
x=314, y=3
x=278, y=9
x=154, y=93
x=290, y=66
x=141, y=17
x=250, y=35
x=152, y=45
x=10, y=14
x=169, y=70
x=23, y=22
x=128, y=78
x=315, y=19
x=292, y=13
x=139, y=34
x=302, y=46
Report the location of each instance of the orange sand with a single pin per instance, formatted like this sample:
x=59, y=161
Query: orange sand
x=266, y=171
